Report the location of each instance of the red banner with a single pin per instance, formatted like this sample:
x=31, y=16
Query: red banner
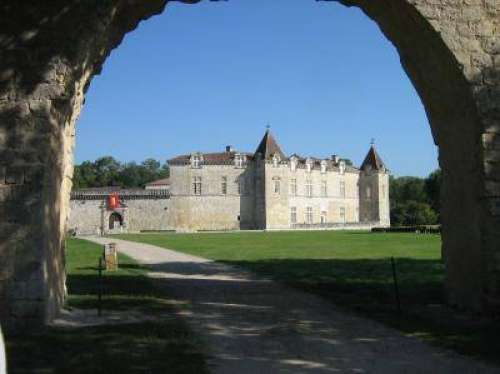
x=113, y=201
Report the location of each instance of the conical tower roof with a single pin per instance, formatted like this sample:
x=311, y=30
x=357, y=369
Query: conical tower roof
x=373, y=160
x=269, y=147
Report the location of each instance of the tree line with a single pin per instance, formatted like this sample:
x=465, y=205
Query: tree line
x=106, y=171
x=414, y=201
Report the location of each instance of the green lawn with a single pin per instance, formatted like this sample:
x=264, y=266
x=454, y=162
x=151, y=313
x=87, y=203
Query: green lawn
x=161, y=346
x=353, y=270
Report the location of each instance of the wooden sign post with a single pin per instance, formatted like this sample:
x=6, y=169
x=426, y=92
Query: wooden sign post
x=111, y=256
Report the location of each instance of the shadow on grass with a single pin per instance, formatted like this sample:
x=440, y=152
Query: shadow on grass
x=161, y=346
x=132, y=348
x=366, y=286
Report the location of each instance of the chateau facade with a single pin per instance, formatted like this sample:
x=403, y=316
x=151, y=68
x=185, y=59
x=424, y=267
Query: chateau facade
x=231, y=190
x=268, y=190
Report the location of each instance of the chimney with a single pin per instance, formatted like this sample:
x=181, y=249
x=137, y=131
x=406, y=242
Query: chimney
x=229, y=149
x=335, y=159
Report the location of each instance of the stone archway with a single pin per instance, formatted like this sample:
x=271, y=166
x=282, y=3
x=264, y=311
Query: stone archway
x=51, y=50
x=115, y=221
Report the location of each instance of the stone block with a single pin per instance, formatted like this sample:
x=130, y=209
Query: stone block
x=14, y=175
x=27, y=309
x=494, y=207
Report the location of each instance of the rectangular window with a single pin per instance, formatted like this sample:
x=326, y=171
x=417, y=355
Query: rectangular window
x=368, y=192
x=309, y=215
x=277, y=186
x=196, y=161
x=238, y=161
x=293, y=187
x=293, y=215
x=324, y=189
x=324, y=215
x=309, y=188
x=197, y=185
x=342, y=189
x=342, y=215
x=224, y=186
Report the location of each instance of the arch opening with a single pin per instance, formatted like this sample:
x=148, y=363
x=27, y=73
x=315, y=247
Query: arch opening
x=447, y=50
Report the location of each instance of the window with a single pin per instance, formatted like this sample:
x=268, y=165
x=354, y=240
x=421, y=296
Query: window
x=368, y=192
x=324, y=215
x=324, y=188
x=342, y=167
x=342, y=189
x=239, y=160
x=224, y=186
x=309, y=215
x=277, y=186
x=323, y=167
x=309, y=188
x=196, y=161
x=309, y=165
x=293, y=215
x=276, y=161
x=342, y=214
x=293, y=187
x=197, y=185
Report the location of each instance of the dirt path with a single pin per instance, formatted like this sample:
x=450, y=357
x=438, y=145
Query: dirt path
x=253, y=325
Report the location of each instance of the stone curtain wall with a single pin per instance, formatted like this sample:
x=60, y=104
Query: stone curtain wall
x=87, y=217
x=50, y=50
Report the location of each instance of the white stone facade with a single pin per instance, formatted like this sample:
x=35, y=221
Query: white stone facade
x=266, y=190
x=242, y=191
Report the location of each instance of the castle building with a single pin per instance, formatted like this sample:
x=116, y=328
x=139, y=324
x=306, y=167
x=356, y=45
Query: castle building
x=267, y=190
x=231, y=190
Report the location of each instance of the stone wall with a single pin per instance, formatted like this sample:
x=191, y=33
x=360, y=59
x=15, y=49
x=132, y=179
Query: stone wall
x=213, y=210
x=51, y=50
x=91, y=217
x=278, y=206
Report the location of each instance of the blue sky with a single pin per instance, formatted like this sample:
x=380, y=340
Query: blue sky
x=201, y=76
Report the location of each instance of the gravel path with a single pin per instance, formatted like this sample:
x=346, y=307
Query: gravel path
x=253, y=325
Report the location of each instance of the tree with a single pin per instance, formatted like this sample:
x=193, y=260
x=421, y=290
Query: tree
x=415, y=201
x=433, y=189
x=106, y=171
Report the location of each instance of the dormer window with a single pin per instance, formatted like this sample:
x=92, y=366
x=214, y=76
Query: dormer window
x=293, y=163
x=239, y=160
x=276, y=160
x=342, y=167
x=309, y=165
x=323, y=167
x=196, y=160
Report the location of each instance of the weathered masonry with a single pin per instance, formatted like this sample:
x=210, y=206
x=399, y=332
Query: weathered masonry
x=50, y=50
x=267, y=190
x=136, y=210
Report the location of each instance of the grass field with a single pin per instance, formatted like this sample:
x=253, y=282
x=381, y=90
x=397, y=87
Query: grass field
x=159, y=346
x=353, y=270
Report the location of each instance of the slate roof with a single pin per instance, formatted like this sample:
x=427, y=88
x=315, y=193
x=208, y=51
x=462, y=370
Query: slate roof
x=373, y=160
x=316, y=162
x=220, y=158
x=159, y=182
x=269, y=147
